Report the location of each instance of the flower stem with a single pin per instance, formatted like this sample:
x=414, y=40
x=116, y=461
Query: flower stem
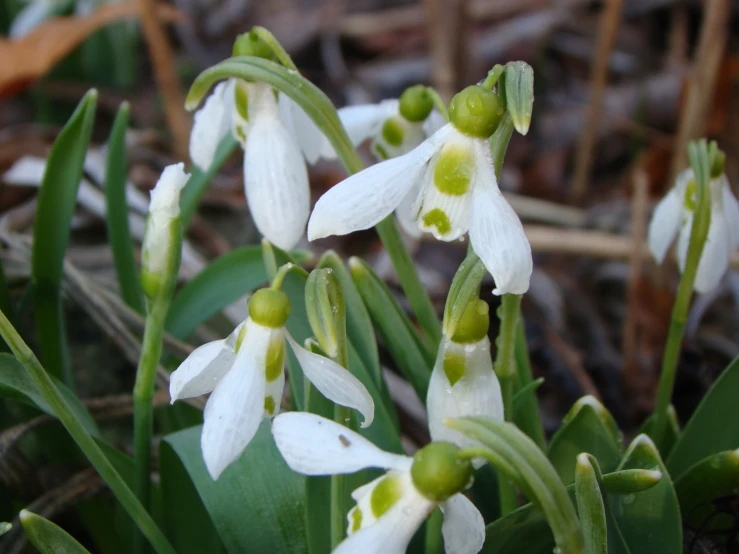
x=438, y=102
x=530, y=421
x=434, y=540
x=505, y=368
x=143, y=408
x=701, y=159
x=87, y=444
x=339, y=492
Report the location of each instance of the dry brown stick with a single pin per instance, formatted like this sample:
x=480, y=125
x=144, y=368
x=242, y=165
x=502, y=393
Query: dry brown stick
x=609, y=23
x=702, y=81
x=81, y=486
x=445, y=20
x=638, y=231
x=165, y=74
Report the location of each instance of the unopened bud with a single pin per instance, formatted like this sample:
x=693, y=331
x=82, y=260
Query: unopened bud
x=324, y=302
x=519, y=94
x=249, y=44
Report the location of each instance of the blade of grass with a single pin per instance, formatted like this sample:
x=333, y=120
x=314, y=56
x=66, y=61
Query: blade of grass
x=56, y=201
x=116, y=207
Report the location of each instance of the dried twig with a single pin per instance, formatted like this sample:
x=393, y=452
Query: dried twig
x=702, y=82
x=609, y=23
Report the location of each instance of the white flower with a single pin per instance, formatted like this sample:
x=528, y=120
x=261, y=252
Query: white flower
x=674, y=215
x=462, y=384
x=457, y=192
x=275, y=175
x=164, y=208
x=389, y=509
x=245, y=373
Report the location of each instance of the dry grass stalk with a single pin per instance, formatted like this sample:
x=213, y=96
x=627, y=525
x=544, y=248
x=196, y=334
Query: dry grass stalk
x=609, y=23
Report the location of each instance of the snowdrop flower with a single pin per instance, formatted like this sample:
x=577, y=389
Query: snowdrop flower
x=463, y=382
x=454, y=175
x=673, y=216
x=161, y=248
x=275, y=175
x=245, y=373
x=389, y=509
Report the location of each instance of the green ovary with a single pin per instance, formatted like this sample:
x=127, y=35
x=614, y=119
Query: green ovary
x=275, y=359
x=393, y=132
x=437, y=218
x=453, y=170
x=384, y=495
x=453, y=365
x=689, y=200
x=356, y=517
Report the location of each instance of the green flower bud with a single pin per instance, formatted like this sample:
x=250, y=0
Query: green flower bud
x=519, y=94
x=269, y=307
x=249, y=44
x=717, y=167
x=324, y=303
x=473, y=326
x=416, y=103
x=476, y=111
x=438, y=472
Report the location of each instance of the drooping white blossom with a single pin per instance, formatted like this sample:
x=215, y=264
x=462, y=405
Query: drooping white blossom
x=390, y=509
x=282, y=138
x=673, y=217
x=245, y=373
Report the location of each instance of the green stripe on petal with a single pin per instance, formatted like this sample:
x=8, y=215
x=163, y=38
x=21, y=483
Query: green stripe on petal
x=385, y=494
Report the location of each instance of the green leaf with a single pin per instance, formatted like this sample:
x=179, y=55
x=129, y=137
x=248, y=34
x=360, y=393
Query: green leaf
x=401, y=340
x=465, y=286
x=709, y=479
x=221, y=283
x=116, y=209
x=586, y=428
x=257, y=504
x=16, y=384
x=519, y=94
x=590, y=507
x=56, y=201
x=714, y=426
x=198, y=181
x=48, y=537
x=5, y=527
x=649, y=521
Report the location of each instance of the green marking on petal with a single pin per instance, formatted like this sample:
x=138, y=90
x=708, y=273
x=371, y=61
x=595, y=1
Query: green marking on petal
x=689, y=200
x=240, y=133
x=241, y=101
x=240, y=338
x=454, y=169
x=393, y=132
x=356, y=517
x=437, y=218
x=275, y=359
x=382, y=153
x=453, y=365
x=385, y=494
x=269, y=405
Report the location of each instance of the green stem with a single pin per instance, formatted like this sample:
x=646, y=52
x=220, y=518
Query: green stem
x=143, y=407
x=434, y=539
x=269, y=39
x=339, y=492
x=87, y=444
x=282, y=273
x=701, y=162
x=530, y=421
x=505, y=368
x=270, y=262
x=499, y=142
x=320, y=109
x=438, y=102
x=493, y=75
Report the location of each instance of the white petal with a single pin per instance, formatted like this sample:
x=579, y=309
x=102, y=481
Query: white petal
x=683, y=240
x=28, y=170
x=434, y=122
x=30, y=17
x=234, y=410
x=394, y=529
x=716, y=253
x=309, y=137
x=201, y=370
x=412, y=136
x=456, y=208
x=475, y=394
x=274, y=391
x=335, y=382
x=275, y=176
x=407, y=212
x=366, y=198
x=463, y=528
x=211, y=123
x=666, y=218
x=496, y=233
x=365, y=121
x=313, y=445
x=731, y=213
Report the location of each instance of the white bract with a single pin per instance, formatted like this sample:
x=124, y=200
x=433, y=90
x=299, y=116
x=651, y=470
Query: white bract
x=275, y=175
x=673, y=217
x=449, y=182
x=245, y=373
x=389, y=509
x=164, y=209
